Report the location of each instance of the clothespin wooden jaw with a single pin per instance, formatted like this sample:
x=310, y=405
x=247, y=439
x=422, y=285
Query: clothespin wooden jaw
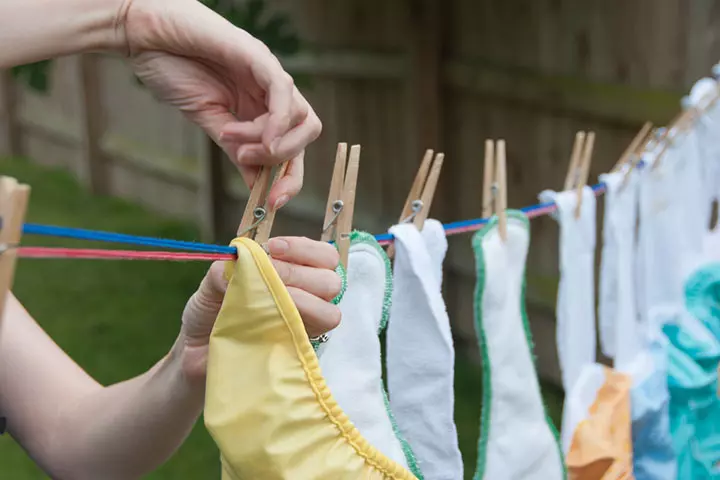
x=679, y=124
x=422, y=192
x=341, y=200
x=258, y=218
x=495, y=185
x=579, y=170
x=629, y=156
x=13, y=205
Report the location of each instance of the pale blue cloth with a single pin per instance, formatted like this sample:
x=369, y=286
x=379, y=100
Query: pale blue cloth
x=653, y=452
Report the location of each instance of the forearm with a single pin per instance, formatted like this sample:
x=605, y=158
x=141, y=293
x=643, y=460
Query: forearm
x=33, y=30
x=129, y=429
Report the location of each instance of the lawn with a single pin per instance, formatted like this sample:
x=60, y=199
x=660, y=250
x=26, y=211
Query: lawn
x=116, y=319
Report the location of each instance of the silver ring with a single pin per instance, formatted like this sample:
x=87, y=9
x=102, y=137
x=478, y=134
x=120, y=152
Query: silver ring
x=321, y=338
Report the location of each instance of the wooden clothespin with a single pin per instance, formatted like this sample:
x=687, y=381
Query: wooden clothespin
x=258, y=218
x=13, y=205
x=579, y=170
x=341, y=201
x=419, y=200
x=636, y=148
x=681, y=121
x=495, y=184
x=630, y=153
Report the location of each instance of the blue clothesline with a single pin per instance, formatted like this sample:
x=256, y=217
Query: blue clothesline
x=99, y=236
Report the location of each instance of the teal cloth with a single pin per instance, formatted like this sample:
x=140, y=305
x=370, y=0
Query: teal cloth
x=693, y=354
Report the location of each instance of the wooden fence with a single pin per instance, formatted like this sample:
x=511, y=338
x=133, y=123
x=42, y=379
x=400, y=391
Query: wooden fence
x=398, y=77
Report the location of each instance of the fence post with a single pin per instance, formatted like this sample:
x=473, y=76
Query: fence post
x=10, y=140
x=425, y=25
x=92, y=165
x=212, y=190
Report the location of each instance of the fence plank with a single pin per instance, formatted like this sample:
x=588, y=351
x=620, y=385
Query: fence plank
x=10, y=141
x=425, y=47
x=93, y=165
x=211, y=194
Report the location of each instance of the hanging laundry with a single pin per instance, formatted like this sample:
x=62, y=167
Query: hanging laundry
x=653, y=452
x=351, y=360
x=703, y=96
x=661, y=241
x=693, y=355
x=517, y=439
x=576, y=292
x=267, y=405
x=599, y=419
x=619, y=330
x=639, y=351
x=420, y=352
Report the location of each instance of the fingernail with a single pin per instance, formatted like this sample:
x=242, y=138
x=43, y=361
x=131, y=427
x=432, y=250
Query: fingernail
x=222, y=136
x=277, y=246
x=281, y=202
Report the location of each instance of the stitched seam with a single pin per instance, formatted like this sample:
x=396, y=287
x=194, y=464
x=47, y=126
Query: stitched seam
x=311, y=367
x=482, y=341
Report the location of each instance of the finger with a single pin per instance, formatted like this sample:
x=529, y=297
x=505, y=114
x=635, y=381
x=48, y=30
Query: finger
x=303, y=251
x=320, y=282
x=245, y=132
x=214, y=283
x=299, y=137
x=318, y=315
x=279, y=87
x=255, y=155
x=289, y=185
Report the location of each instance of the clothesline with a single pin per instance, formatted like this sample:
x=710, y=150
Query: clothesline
x=201, y=251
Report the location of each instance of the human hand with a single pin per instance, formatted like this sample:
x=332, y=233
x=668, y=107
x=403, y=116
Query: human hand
x=224, y=80
x=306, y=267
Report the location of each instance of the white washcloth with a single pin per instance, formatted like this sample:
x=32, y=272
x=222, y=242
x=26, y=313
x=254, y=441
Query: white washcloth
x=707, y=128
x=351, y=359
x=620, y=337
x=517, y=440
x=671, y=226
x=575, y=311
x=420, y=353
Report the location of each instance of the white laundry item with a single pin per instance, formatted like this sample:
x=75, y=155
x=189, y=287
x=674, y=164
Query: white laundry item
x=617, y=312
x=517, y=439
x=673, y=219
x=579, y=400
x=685, y=161
x=659, y=240
x=707, y=127
x=420, y=352
x=575, y=311
x=351, y=360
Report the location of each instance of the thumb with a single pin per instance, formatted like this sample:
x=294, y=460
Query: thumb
x=204, y=305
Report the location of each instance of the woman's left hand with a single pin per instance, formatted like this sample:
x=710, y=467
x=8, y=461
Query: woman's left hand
x=306, y=267
x=227, y=82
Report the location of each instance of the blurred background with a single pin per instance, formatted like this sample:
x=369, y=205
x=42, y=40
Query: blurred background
x=395, y=76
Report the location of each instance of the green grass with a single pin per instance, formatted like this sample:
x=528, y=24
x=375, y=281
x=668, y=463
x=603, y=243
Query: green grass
x=116, y=319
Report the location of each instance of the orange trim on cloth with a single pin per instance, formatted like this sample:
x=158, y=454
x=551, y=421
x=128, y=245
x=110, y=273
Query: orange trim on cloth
x=601, y=446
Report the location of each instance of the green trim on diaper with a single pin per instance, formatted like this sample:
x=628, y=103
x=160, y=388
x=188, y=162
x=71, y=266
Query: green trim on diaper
x=482, y=342
x=368, y=239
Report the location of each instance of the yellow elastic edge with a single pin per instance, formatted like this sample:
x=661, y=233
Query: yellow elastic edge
x=311, y=366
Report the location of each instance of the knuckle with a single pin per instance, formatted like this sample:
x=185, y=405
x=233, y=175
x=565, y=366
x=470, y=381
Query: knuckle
x=288, y=80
